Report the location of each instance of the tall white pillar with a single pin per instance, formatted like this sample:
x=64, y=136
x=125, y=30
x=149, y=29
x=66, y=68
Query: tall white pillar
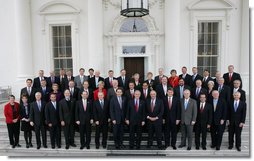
x=172, y=35
x=95, y=34
x=244, y=56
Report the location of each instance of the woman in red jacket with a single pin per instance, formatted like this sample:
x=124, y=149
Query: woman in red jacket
x=100, y=89
x=173, y=80
x=11, y=113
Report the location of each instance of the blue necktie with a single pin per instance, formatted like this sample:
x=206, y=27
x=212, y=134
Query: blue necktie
x=235, y=106
x=185, y=104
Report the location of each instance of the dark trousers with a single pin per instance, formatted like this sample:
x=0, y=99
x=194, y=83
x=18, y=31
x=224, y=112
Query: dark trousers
x=55, y=135
x=118, y=134
x=200, y=129
x=135, y=129
x=156, y=127
x=28, y=136
x=40, y=131
x=13, y=132
x=235, y=130
x=216, y=134
x=69, y=134
x=170, y=131
x=85, y=134
x=186, y=131
x=101, y=128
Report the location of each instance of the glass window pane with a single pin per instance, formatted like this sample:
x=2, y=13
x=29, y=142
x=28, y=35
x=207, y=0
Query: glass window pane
x=55, y=31
x=68, y=41
x=67, y=30
x=68, y=52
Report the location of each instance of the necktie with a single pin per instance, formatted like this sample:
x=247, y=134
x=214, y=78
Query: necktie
x=26, y=109
x=123, y=81
x=144, y=92
x=44, y=90
x=235, y=106
x=110, y=80
x=214, y=105
x=197, y=92
x=202, y=107
x=39, y=105
x=120, y=102
x=52, y=79
x=136, y=105
x=160, y=79
x=101, y=104
x=71, y=91
x=29, y=91
x=220, y=88
x=230, y=77
x=54, y=104
x=185, y=104
x=193, y=77
x=84, y=105
x=181, y=92
x=169, y=103
x=152, y=105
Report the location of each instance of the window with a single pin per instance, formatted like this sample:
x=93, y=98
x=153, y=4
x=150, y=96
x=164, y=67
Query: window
x=208, y=46
x=134, y=49
x=134, y=25
x=62, y=48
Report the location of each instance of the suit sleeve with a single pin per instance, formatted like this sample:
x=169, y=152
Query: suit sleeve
x=225, y=110
x=178, y=110
x=77, y=112
x=210, y=115
x=161, y=110
x=47, y=117
x=95, y=112
x=128, y=111
x=61, y=111
x=112, y=110
x=194, y=114
x=243, y=113
x=31, y=116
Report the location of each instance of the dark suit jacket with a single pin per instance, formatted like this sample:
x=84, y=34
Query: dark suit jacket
x=158, y=109
x=52, y=114
x=50, y=83
x=175, y=112
x=37, y=116
x=225, y=93
x=63, y=84
x=67, y=114
x=151, y=85
x=157, y=80
x=23, y=111
x=204, y=117
x=116, y=113
x=126, y=84
x=92, y=83
x=75, y=94
x=136, y=117
x=90, y=91
x=45, y=96
x=238, y=116
x=220, y=113
x=160, y=91
x=177, y=91
x=187, y=79
x=205, y=83
x=128, y=95
x=193, y=93
x=147, y=95
x=101, y=114
x=235, y=76
x=107, y=83
x=37, y=82
x=30, y=98
x=81, y=115
x=193, y=82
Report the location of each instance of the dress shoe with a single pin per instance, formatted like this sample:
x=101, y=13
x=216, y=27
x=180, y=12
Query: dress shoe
x=73, y=145
x=181, y=146
x=59, y=147
x=27, y=145
x=117, y=147
x=82, y=147
x=13, y=146
x=212, y=146
x=104, y=146
x=30, y=144
x=174, y=147
x=38, y=147
x=217, y=148
x=238, y=149
x=97, y=147
x=45, y=146
x=88, y=147
x=53, y=147
x=161, y=147
x=230, y=147
x=138, y=147
x=131, y=147
x=148, y=146
x=67, y=147
x=18, y=145
x=189, y=148
x=204, y=148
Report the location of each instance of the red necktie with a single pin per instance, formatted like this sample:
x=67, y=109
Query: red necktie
x=110, y=82
x=160, y=79
x=152, y=105
x=136, y=105
x=202, y=107
x=230, y=77
x=144, y=93
x=169, y=103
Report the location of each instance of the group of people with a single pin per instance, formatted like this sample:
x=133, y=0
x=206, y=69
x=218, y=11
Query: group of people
x=161, y=106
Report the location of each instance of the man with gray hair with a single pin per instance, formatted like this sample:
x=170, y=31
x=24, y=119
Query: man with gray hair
x=158, y=78
x=94, y=81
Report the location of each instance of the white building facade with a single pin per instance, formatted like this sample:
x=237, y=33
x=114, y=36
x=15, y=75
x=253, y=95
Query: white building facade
x=70, y=34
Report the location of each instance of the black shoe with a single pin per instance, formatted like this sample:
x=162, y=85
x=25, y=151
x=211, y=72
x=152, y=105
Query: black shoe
x=238, y=149
x=73, y=145
x=197, y=147
x=117, y=147
x=166, y=145
x=131, y=147
x=53, y=147
x=148, y=146
x=13, y=146
x=213, y=146
x=104, y=146
x=30, y=144
x=45, y=146
x=67, y=147
x=88, y=147
x=27, y=145
x=59, y=147
x=161, y=148
x=217, y=148
x=174, y=147
x=138, y=147
x=204, y=148
x=97, y=147
x=18, y=145
x=122, y=146
x=230, y=147
x=181, y=146
x=82, y=147
x=38, y=147
x=189, y=148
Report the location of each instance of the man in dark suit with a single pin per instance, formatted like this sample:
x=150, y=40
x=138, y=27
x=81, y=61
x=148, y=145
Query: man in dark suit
x=123, y=81
x=188, y=118
x=37, y=119
x=145, y=92
x=231, y=76
x=101, y=119
x=237, y=116
x=216, y=79
x=135, y=118
x=150, y=82
x=52, y=120
x=171, y=118
x=91, y=73
x=74, y=90
x=162, y=88
x=224, y=90
x=29, y=91
x=112, y=91
x=218, y=120
x=94, y=81
x=206, y=79
x=129, y=93
x=195, y=93
x=117, y=114
x=237, y=85
x=63, y=82
x=44, y=90
x=203, y=121
x=178, y=90
x=52, y=79
x=109, y=79
x=84, y=118
x=195, y=76
x=87, y=89
x=155, y=110
x=67, y=115
x=37, y=80
x=186, y=77
x=158, y=78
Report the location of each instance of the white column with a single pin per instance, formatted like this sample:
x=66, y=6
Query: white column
x=23, y=39
x=172, y=34
x=244, y=56
x=95, y=34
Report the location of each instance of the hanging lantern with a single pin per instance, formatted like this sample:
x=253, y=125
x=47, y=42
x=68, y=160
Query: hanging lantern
x=134, y=8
